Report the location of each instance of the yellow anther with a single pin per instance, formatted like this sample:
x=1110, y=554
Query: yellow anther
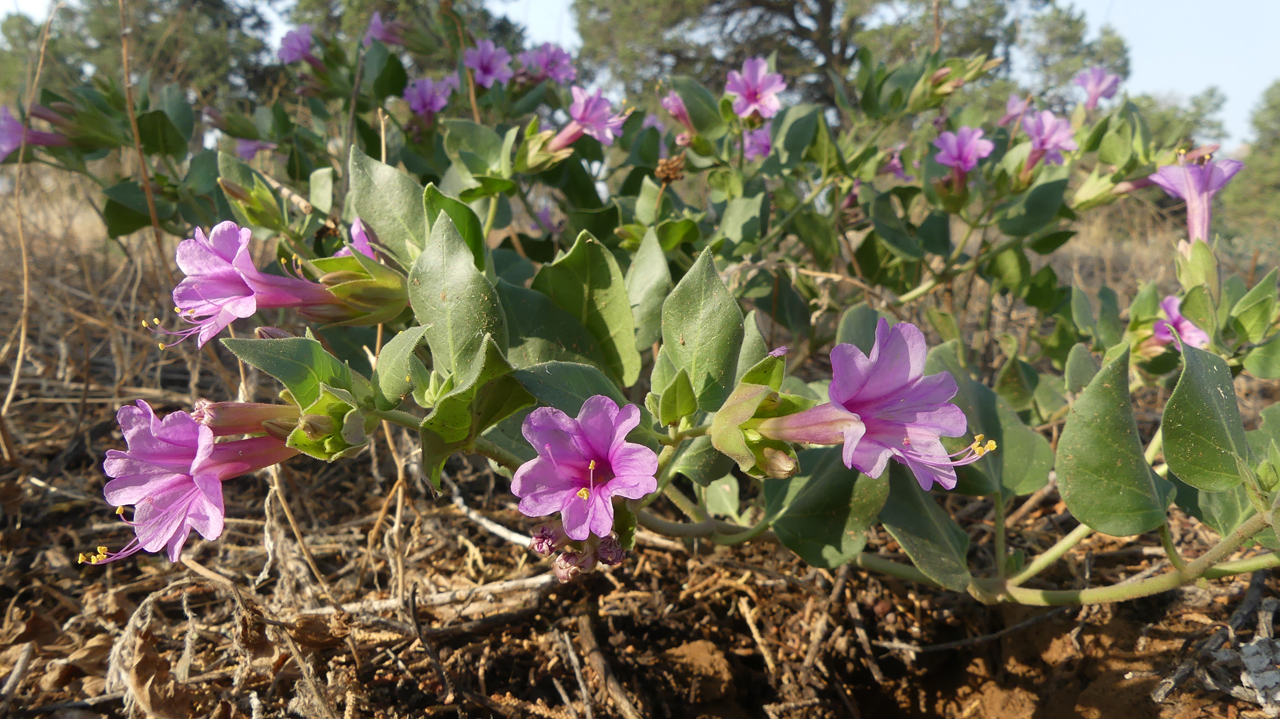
x=177, y=309
x=144, y=323
x=991, y=445
x=102, y=551
x=977, y=438
x=120, y=510
x=591, y=466
x=82, y=558
x=155, y=320
x=161, y=345
x=584, y=494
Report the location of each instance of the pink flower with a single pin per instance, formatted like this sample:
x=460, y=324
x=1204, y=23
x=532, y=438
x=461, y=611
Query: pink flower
x=962, y=149
x=549, y=61
x=12, y=131
x=359, y=241
x=582, y=465
x=222, y=284
x=1197, y=184
x=296, y=46
x=172, y=474
x=588, y=115
x=674, y=105
x=883, y=407
x=248, y=149
x=1016, y=107
x=755, y=89
x=894, y=165
x=1098, y=83
x=652, y=120
x=385, y=33
x=1049, y=137
x=491, y=63
x=1185, y=328
x=759, y=144
x=426, y=97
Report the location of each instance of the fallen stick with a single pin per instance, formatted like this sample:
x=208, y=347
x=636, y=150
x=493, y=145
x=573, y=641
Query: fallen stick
x=587, y=636
x=442, y=598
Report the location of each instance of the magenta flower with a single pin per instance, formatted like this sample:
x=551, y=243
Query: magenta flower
x=588, y=115
x=1013, y=109
x=385, y=33
x=674, y=105
x=1098, y=83
x=582, y=465
x=755, y=89
x=894, y=165
x=248, y=149
x=883, y=407
x=296, y=46
x=1187, y=330
x=172, y=474
x=222, y=284
x=549, y=61
x=962, y=149
x=491, y=63
x=12, y=131
x=359, y=241
x=426, y=97
x=1049, y=137
x=1197, y=184
x=758, y=144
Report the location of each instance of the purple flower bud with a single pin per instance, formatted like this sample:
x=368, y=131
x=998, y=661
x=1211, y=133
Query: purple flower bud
x=296, y=45
x=1015, y=108
x=12, y=132
x=359, y=241
x=248, y=149
x=779, y=352
x=1186, y=329
x=569, y=565
x=547, y=538
x=759, y=144
x=610, y=551
x=385, y=33
x=271, y=333
x=674, y=105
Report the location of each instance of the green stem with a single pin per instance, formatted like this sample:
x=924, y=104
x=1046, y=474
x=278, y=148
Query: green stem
x=1241, y=566
x=781, y=226
x=1002, y=551
x=1053, y=554
x=488, y=221
x=1166, y=539
x=677, y=437
x=928, y=285
x=1163, y=583
x=664, y=474
x=684, y=504
x=1153, y=449
x=486, y=448
x=876, y=563
x=395, y=416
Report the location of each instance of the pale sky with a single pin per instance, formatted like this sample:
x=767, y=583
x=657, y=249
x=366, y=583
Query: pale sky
x=1176, y=47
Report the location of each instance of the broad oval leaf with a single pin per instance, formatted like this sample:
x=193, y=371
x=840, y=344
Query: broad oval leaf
x=300, y=363
x=823, y=513
x=648, y=283
x=932, y=539
x=394, y=376
x=1203, y=432
x=542, y=332
x=390, y=203
x=702, y=332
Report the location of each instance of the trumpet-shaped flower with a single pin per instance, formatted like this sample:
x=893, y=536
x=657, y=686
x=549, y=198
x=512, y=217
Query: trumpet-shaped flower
x=1098, y=83
x=549, y=61
x=248, y=149
x=296, y=45
x=582, y=465
x=387, y=33
x=1016, y=107
x=758, y=144
x=172, y=475
x=674, y=105
x=227, y=418
x=755, y=89
x=961, y=150
x=222, y=284
x=1197, y=183
x=883, y=407
x=490, y=63
x=12, y=132
x=1050, y=136
x=589, y=114
x=359, y=242
x=1175, y=322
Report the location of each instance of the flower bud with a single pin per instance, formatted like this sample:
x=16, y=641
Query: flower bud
x=272, y=333
x=547, y=538
x=317, y=426
x=226, y=418
x=610, y=551
x=569, y=565
x=778, y=464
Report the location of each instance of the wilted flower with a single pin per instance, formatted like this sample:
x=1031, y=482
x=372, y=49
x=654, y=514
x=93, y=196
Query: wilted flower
x=1098, y=83
x=1016, y=107
x=894, y=165
x=883, y=407
x=359, y=241
x=610, y=551
x=549, y=61
x=547, y=538
x=1049, y=137
x=755, y=89
x=582, y=464
x=248, y=149
x=222, y=284
x=385, y=33
x=426, y=97
x=1197, y=183
x=569, y=565
x=758, y=144
x=1185, y=328
x=588, y=115
x=12, y=131
x=491, y=63
x=296, y=46
x=962, y=149
x=172, y=474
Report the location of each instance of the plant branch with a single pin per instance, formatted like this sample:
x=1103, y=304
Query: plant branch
x=486, y=448
x=1053, y=554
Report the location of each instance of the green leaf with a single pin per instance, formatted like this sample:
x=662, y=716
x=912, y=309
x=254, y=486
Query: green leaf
x=300, y=363
x=700, y=462
x=588, y=284
x=677, y=400
x=1082, y=312
x=858, y=327
x=1222, y=511
x=394, y=376
x=160, y=136
x=702, y=331
x=1103, y=477
x=721, y=497
x=390, y=203
x=320, y=190
x=823, y=513
x=1031, y=212
x=511, y=267
x=1203, y=432
x=893, y=230
x=1110, y=326
x=542, y=332
x=1254, y=311
x=454, y=300
x=468, y=225
x=754, y=349
x=793, y=130
x=743, y=219
x=933, y=541
x=477, y=147
x=1081, y=367
x=173, y=100
x=1263, y=361
x=648, y=284
x=392, y=79
x=122, y=220
x=704, y=109
x=566, y=385
x=673, y=233
x=647, y=210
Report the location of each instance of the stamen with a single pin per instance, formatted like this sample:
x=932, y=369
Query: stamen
x=584, y=494
x=120, y=510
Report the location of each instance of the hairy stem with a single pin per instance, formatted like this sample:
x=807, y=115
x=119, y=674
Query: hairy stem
x=1053, y=554
x=1166, y=540
x=486, y=448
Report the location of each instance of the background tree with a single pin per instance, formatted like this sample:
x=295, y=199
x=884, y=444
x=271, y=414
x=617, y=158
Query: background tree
x=1251, y=198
